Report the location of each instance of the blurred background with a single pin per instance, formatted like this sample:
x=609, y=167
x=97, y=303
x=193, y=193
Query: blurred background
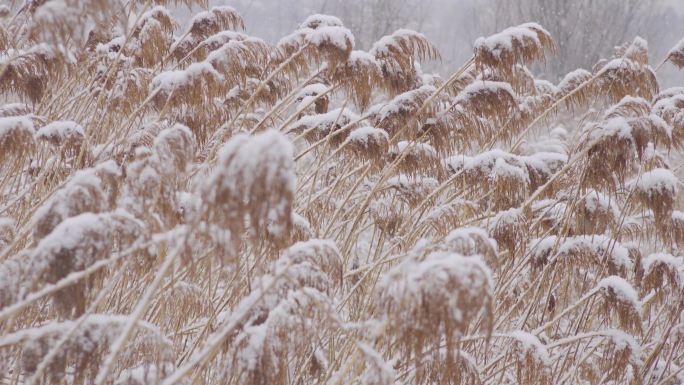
x=584, y=30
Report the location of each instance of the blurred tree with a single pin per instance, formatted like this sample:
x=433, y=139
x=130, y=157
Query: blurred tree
x=584, y=30
x=370, y=20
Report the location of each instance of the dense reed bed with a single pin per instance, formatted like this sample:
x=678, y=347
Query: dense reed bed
x=193, y=205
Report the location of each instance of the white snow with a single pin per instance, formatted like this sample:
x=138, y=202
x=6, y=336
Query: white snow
x=340, y=37
x=170, y=80
x=465, y=240
x=479, y=86
x=622, y=289
x=507, y=217
x=363, y=135
x=313, y=89
x=675, y=264
x=223, y=37
x=82, y=237
x=421, y=149
x=628, y=99
x=410, y=281
x=377, y=371
x=388, y=44
x=84, y=184
x=60, y=131
x=294, y=39
x=508, y=38
x=324, y=121
x=504, y=169
x=11, y=123
x=403, y=102
x=573, y=79
x=96, y=328
x=14, y=109
x=313, y=249
x=420, y=184
x=678, y=215
x=657, y=181
x=319, y=20
x=596, y=201
x=617, y=126
x=530, y=344
x=546, y=162
x=545, y=87
x=677, y=48
x=244, y=157
x=599, y=244
x=358, y=57
x=623, y=341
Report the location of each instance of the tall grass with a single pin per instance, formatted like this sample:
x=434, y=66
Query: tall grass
x=198, y=206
